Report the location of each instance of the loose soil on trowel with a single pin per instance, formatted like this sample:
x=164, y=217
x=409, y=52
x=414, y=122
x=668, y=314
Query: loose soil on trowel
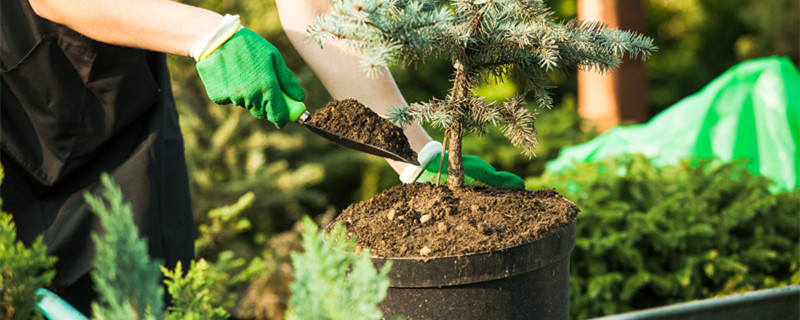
x=424, y=220
x=351, y=119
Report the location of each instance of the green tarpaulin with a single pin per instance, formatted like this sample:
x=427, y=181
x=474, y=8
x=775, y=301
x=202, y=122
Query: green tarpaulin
x=751, y=111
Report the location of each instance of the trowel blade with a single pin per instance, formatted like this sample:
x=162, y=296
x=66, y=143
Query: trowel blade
x=356, y=145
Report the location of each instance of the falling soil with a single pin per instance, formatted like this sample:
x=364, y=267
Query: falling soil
x=424, y=220
x=351, y=119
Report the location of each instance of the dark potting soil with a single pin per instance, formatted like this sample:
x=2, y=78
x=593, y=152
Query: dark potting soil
x=351, y=119
x=424, y=220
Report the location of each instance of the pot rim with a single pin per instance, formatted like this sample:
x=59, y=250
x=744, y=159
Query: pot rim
x=452, y=270
x=411, y=272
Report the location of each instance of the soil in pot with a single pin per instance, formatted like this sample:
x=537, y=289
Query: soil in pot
x=424, y=220
x=351, y=119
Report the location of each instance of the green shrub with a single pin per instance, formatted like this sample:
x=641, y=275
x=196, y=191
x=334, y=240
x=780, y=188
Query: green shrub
x=331, y=283
x=22, y=271
x=127, y=280
x=228, y=273
x=650, y=236
x=191, y=293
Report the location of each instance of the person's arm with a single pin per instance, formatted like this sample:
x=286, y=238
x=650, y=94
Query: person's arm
x=339, y=70
x=157, y=25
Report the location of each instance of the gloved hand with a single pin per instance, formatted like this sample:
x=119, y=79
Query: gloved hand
x=246, y=70
x=476, y=171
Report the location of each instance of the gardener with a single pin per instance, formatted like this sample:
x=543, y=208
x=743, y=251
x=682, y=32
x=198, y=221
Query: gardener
x=85, y=90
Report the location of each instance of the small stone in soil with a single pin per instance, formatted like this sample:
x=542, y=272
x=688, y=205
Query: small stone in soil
x=425, y=251
x=390, y=215
x=424, y=218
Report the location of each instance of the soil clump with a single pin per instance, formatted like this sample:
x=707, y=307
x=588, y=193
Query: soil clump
x=424, y=220
x=351, y=119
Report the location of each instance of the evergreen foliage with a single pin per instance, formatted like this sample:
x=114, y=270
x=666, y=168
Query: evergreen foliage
x=224, y=222
x=227, y=273
x=483, y=39
x=191, y=295
x=561, y=127
x=332, y=283
x=22, y=271
x=650, y=236
x=125, y=277
x=128, y=281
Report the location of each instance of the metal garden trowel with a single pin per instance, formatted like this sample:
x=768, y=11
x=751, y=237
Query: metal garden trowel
x=299, y=114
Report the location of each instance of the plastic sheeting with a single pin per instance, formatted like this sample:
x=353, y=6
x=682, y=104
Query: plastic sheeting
x=751, y=111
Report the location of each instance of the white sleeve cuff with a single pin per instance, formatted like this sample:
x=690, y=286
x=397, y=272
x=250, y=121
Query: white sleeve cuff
x=212, y=40
x=424, y=156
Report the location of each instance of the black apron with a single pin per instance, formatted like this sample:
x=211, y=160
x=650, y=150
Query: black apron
x=73, y=108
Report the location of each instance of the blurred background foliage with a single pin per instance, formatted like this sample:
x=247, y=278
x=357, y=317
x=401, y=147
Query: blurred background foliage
x=292, y=173
x=650, y=236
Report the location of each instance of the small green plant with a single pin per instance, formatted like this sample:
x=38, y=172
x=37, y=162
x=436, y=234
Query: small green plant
x=230, y=273
x=224, y=222
x=22, y=271
x=190, y=293
x=125, y=277
x=127, y=280
x=333, y=283
x=484, y=40
x=650, y=236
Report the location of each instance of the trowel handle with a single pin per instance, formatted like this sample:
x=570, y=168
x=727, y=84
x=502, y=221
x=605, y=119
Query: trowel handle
x=55, y=308
x=296, y=108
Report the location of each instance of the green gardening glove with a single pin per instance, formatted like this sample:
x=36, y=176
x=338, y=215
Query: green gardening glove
x=476, y=171
x=249, y=72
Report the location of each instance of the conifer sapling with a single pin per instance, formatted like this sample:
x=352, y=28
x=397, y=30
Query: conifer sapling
x=23, y=269
x=484, y=39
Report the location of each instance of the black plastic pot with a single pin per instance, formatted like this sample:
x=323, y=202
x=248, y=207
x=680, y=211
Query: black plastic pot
x=529, y=281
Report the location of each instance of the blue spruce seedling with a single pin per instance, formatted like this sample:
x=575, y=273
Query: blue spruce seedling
x=484, y=39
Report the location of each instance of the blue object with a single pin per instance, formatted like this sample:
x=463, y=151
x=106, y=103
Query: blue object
x=55, y=308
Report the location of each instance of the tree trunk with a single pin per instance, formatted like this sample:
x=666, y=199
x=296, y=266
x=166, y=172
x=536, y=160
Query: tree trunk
x=605, y=100
x=455, y=165
x=460, y=93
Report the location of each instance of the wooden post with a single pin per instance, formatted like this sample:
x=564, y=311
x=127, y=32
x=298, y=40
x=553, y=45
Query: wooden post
x=605, y=100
